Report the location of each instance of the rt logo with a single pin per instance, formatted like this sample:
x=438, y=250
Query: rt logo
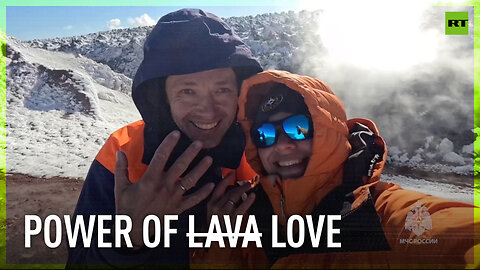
x=456, y=23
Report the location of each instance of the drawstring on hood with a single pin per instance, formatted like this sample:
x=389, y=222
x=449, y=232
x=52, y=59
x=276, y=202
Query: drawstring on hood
x=183, y=42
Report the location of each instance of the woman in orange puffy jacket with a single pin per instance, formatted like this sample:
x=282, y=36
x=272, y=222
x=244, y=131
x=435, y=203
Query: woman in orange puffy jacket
x=312, y=161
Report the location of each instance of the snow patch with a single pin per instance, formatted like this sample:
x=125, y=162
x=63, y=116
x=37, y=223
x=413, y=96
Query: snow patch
x=443, y=190
x=60, y=111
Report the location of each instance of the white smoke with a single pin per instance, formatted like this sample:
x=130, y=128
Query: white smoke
x=393, y=63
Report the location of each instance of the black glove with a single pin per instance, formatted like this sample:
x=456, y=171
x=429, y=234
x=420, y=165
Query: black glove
x=365, y=153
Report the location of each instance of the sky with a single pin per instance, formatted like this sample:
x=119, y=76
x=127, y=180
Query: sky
x=37, y=22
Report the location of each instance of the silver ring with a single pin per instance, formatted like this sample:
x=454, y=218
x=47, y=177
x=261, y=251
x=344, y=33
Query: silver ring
x=182, y=187
x=231, y=202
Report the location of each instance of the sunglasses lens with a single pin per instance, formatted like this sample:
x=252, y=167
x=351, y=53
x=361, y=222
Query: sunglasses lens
x=297, y=127
x=265, y=135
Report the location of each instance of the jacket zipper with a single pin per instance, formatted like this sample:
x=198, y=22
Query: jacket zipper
x=282, y=208
x=282, y=198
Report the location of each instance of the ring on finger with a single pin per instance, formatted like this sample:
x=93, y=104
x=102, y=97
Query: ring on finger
x=231, y=202
x=182, y=187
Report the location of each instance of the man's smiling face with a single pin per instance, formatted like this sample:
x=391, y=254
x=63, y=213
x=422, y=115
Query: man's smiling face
x=203, y=104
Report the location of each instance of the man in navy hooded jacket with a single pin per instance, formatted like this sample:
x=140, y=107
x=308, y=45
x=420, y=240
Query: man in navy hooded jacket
x=186, y=90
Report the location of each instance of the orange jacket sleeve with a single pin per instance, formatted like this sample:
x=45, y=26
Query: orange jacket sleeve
x=425, y=229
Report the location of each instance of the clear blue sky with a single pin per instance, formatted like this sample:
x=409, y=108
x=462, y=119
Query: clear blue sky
x=29, y=22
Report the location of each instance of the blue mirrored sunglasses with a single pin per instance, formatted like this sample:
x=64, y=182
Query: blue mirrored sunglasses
x=296, y=127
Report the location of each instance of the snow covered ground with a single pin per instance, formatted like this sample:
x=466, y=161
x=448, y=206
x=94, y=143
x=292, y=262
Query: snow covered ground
x=62, y=106
x=444, y=190
x=60, y=110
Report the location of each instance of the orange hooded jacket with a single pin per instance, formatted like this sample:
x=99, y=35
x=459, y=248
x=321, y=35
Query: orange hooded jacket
x=446, y=229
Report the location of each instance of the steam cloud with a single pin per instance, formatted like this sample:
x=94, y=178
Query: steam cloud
x=413, y=91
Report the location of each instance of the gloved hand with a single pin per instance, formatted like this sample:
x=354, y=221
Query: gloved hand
x=363, y=156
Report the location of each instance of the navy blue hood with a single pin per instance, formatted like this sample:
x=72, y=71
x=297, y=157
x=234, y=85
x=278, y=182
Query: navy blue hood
x=183, y=42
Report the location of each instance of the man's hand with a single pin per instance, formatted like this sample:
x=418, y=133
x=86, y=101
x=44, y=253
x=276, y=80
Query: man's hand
x=160, y=192
x=229, y=202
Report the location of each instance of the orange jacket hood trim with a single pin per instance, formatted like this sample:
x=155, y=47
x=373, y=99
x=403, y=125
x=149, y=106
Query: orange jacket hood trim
x=330, y=140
